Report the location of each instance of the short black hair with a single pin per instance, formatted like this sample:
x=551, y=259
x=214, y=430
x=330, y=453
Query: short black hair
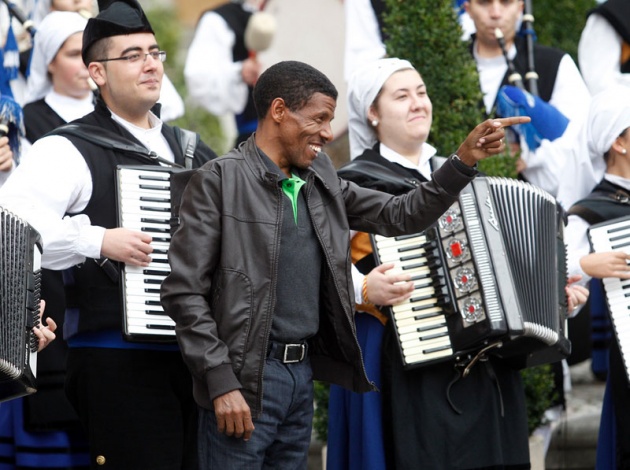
x=295, y=82
x=97, y=50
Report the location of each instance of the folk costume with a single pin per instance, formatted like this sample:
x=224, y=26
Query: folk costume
x=43, y=430
x=415, y=421
x=609, y=116
x=123, y=392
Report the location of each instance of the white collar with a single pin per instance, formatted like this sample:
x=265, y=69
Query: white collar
x=423, y=167
x=69, y=108
x=154, y=122
x=618, y=180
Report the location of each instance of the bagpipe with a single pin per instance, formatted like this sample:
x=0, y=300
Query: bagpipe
x=520, y=98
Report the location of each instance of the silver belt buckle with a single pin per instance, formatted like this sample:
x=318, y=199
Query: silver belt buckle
x=286, y=350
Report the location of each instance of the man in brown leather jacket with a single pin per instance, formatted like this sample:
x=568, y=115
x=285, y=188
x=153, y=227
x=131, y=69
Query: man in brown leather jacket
x=260, y=284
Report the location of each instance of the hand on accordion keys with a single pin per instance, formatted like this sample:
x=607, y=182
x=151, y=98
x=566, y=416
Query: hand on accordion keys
x=128, y=246
x=546, y=121
x=385, y=286
x=606, y=264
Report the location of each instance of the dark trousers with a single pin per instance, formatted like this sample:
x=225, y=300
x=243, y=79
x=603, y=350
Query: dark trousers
x=136, y=406
x=282, y=434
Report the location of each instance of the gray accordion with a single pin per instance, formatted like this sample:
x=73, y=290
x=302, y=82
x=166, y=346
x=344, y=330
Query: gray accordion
x=20, y=281
x=489, y=278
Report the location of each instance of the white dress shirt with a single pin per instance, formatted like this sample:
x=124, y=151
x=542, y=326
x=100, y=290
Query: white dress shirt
x=53, y=180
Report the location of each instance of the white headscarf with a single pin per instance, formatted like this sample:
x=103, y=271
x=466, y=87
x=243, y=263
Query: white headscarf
x=364, y=85
x=52, y=32
x=609, y=116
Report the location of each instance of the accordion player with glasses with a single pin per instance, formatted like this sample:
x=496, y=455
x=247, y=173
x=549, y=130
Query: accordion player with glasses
x=20, y=281
x=489, y=278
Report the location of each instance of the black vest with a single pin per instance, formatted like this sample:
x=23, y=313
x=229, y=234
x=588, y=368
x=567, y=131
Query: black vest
x=95, y=295
x=236, y=17
x=606, y=202
x=39, y=119
x=373, y=171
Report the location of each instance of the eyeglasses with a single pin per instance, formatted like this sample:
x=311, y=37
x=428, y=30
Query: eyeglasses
x=138, y=57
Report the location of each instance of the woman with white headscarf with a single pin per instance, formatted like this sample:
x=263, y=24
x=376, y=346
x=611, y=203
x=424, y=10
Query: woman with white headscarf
x=608, y=138
x=43, y=430
x=424, y=417
x=58, y=89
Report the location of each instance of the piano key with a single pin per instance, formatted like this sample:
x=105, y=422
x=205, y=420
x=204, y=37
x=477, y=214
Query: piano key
x=410, y=316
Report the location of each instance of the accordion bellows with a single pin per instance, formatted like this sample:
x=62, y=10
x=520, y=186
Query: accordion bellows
x=20, y=281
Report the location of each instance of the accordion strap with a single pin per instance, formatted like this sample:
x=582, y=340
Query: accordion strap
x=189, y=141
x=110, y=140
x=590, y=215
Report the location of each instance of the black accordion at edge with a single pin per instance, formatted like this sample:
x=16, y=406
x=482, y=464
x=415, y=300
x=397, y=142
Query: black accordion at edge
x=20, y=261
x=490, y=275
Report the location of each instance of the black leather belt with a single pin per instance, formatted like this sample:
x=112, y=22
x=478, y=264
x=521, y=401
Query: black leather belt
x=288, y=353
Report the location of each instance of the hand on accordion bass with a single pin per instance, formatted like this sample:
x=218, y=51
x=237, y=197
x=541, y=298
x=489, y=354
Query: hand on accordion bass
x=128, y=246
x=386, y=286
x=45, y=333
x=487, y=139
x=577, y=295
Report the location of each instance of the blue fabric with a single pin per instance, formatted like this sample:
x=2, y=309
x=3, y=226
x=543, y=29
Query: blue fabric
x=113, y=339
x=547, y=122
x=282, y=433
x=12, y=116
x=601, y=328
x=10, y=60
x=244, y=126
x=20, y=448
x=607, y=439
x=355, y=429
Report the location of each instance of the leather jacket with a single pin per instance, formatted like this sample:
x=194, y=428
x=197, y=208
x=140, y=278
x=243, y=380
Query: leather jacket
x=224, y=258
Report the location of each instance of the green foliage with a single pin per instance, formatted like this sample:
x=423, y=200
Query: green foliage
x=559, y=23
x=427, y=33
x=500, y=165
x=539, y=393
x=167, y=31
x=320, y=418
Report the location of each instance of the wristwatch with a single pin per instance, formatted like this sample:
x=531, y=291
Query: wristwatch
x=461, y=166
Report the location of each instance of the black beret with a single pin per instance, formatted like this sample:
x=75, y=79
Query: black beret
x=116, y=18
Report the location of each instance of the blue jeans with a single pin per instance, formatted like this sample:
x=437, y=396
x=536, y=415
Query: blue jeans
x=282, y=433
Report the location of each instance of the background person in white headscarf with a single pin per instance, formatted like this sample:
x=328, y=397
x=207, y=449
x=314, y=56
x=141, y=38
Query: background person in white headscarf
x=411, y=424
x=608, y=136
x=58, y=89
